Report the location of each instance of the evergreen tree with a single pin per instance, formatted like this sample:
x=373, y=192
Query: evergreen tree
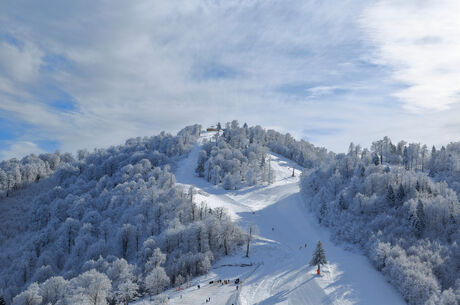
x=2, y=301
x=363, y=171
x=201, y=163
x=375, y=159
x=420, y=220
x=342, y=203
x=319, y=256
x=322, y=211
x=400, y=195
x=219, y=127
x=390, y=197
x=406, y=158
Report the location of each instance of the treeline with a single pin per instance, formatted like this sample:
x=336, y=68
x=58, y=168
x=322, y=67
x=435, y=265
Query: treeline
x=113, y=217
x=397, y=203
x=239, y=156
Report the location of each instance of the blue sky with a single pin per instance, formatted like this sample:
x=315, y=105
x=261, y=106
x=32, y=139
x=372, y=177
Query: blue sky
x=90, y=74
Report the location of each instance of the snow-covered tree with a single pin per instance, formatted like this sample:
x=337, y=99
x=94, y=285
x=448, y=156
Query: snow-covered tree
x=127, y=291
x=156, y=281
x=53, y=290
x=319, y=256
x=155, y=260
x=91, y=287
x=31, y=296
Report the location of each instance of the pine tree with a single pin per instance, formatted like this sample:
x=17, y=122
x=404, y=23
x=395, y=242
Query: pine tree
x=319, y=256
x=202, y=157
x=417, y=186
x=400, y=195
x=419, y=222
x=2, y=301
x=363, y=171
x=342, y=203
x=375, y=159
x=406, y=158
x=391, y=198
x=322, y=212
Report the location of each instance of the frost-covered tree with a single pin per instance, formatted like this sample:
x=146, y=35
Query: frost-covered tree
x=402, y=212
x=127, y=291
x=155, y=260
x=30, y=296
x=91, y=287
x=319, y=256
x=156, y=281
x=53, y=290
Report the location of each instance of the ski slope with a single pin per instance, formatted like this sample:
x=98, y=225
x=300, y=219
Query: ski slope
x=277, y=270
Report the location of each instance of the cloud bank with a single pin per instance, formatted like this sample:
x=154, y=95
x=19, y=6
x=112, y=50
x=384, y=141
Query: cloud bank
x=420, y=42
x=93, y=73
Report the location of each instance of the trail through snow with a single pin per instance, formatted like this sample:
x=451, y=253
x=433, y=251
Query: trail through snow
x=287, y=235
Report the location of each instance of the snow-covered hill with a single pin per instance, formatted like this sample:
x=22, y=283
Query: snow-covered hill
x=277, y=270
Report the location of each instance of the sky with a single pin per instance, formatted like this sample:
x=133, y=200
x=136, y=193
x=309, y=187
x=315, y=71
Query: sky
x=87, y=74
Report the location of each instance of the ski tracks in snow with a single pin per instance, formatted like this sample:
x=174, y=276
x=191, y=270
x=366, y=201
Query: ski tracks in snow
x=287, y=235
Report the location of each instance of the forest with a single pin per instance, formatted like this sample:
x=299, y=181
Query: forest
x=239, y=156
x=107, y=225
x=399, y=204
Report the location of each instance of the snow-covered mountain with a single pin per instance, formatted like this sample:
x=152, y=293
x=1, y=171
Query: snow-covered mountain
x=174, y=212
x=277, y=270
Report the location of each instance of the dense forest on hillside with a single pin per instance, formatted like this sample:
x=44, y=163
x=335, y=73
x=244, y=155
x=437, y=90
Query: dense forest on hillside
x=239, y=156
x=399, y=203
x=16, y=174
x=112, y=217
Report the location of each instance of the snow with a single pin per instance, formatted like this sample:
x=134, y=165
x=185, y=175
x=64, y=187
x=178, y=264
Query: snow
x=279, y=272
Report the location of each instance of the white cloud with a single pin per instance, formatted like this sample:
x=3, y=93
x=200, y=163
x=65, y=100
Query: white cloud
x=420, y=42
x=136, y=69
x=20, y=63
x=20, y=149
x=321, y=90
x=131, y=67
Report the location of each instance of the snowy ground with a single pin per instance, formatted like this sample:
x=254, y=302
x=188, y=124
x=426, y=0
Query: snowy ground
x=287, y=234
